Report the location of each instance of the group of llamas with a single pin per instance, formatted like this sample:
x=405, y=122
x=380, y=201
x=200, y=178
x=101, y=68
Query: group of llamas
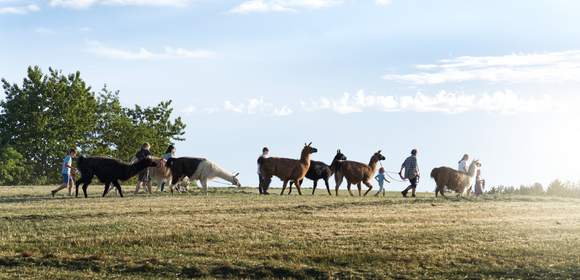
x=176, y=171
x=293, y=172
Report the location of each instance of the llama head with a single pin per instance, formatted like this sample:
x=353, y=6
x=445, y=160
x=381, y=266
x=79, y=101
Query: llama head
x=308, y=149
x=235, y=180
x=378, y=157
x=339, y=155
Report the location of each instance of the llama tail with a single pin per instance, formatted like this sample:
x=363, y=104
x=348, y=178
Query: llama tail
x=434, y=172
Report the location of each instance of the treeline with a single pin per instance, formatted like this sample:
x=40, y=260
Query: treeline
x=49, y=113
x=556, y=188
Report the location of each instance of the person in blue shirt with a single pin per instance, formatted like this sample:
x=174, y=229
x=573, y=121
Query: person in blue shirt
x=381, y=179
x=67, y=172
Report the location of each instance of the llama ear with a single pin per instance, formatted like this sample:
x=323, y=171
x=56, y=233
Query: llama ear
x=309, y=144
x=236, y=174
x=379, y=151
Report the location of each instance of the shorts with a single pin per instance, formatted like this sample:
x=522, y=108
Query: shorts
x=66, y=178
x=144, y=175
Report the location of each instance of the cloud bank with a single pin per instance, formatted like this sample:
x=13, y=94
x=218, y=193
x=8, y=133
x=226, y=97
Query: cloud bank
x=19, y=9
x=561, y=66
x=82, y=4
x=145, y=54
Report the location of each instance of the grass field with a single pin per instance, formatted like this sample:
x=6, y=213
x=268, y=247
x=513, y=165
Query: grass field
x=234, y=233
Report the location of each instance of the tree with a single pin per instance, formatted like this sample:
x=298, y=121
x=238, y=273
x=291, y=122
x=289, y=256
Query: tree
x=13, y=169
x=45, y=117
x=51, y=113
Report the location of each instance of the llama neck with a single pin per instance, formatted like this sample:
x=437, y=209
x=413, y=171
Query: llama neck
x=134, y=169
x=305, y=158
x=220, y=173
x=373, y=164
x=471, y=171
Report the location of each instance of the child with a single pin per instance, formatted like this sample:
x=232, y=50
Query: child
x=381, y=179
x=67, y=173
x=144, y=175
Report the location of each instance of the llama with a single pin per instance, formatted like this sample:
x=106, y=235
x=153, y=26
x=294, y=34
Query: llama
x=452, y=179
x=198, y=169
x=108, y=171
x=287, y=169
x=319, y=170
x=357, y=173
x=160, y=173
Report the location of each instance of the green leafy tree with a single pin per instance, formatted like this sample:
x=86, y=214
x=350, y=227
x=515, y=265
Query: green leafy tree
x=51, y=113
x=45, y=117
x=13, y=169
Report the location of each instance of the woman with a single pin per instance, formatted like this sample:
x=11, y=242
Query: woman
x=479, y=184
x=169, y=153
x=462, y=164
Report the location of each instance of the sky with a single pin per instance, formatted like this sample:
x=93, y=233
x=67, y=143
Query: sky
x=498, y=80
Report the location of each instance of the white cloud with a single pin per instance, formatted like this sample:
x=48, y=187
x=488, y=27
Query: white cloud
x=545, y=67
x=44, y=31
x=257, y=105
x=144, y=54
x=82, y=4
x=19, y=10
x=383, y=3
x=505, y=102
x=264, y=6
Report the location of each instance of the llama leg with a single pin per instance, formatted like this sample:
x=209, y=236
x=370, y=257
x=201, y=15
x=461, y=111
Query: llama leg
x=290, y=187
x=118, y=187
x=85, y=186
x=368, y=186
x=358, y=186
x=327, y=186
x=338, y=181
x=107, y=186
x=77, y=187
x=314, y=186
x=204, y=185
x=298, y=187
x=283, y=187
x=348, y=188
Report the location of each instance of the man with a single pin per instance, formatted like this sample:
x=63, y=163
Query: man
x=144, y=175
x=411, y=173
x=264, y=183
x=67, y=173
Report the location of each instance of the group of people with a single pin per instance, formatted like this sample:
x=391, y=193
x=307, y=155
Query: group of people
x=144, y=179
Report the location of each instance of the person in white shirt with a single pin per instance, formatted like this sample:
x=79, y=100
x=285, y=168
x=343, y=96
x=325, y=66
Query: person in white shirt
x=462, y=164
x=263, y=183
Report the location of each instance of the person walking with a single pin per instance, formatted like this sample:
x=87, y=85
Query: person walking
x=479, y=184
x=264, y=183
x=381, y=180
x=143, y=179
x=462, y=164
x=67, y=172
x=411, y=173
x=169, y=153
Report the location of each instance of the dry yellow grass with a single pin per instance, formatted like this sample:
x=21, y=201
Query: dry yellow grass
x=234, y=233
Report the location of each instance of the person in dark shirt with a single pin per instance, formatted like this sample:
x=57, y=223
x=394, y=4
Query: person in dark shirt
x=264, y=184
x=143, y=179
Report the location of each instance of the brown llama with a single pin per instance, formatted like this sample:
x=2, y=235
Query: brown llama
x=287, y=169
x=357, y=173
x=452, y=179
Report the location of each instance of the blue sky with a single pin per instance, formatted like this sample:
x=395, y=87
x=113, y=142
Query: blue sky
x=495, y=79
